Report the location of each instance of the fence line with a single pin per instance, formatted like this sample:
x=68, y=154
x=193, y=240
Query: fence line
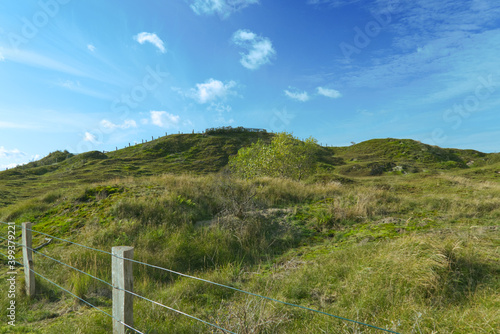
x=214, y=283
x=114, y=287
x=86, y=302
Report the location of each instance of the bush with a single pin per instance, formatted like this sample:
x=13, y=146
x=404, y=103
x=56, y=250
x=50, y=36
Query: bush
x=284, y=157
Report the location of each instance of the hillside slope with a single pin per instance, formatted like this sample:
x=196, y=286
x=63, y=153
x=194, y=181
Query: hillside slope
x=178, y=153
x=208, y=153
x=398, y=252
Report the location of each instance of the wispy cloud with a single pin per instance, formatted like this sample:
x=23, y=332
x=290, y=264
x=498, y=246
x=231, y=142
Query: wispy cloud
x=11, y=125
x=332, y=3
x=212, y=90
x=90, y=138
x=331, y=93
x=224, y=8
x=77, y=87
x=221, y=109
x=152, y=38
x=259, y=50
x=2, y=58
x=15, y=153
x=9, y=166
x=40, y=61
x=69, y=84
x=129, y=123
x=448, y=43
x=365, y=112
x=21, y=160
x=296, y=95
x=164, y=119
x=91, y=47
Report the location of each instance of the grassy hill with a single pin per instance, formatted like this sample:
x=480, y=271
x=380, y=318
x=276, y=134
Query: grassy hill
x=208, y=153
x=377, y=156
x=178, y=153
x=411, y=249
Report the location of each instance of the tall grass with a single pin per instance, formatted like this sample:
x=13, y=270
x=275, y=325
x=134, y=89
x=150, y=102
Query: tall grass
x=412, y=253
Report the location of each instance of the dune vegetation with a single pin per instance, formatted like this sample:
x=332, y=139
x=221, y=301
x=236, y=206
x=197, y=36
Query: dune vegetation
x=392, y=233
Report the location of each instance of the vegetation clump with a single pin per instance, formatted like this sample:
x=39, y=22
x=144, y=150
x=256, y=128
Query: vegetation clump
x=93, y=155
x=285, y=157
x=52, y=158
x=230, y=130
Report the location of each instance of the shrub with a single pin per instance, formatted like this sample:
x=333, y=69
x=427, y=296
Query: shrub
x=284, y=157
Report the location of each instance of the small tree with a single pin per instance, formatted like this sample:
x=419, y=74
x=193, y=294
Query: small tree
x=285, y=156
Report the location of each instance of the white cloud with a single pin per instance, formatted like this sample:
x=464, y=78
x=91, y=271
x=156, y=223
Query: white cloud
x=259, y=49
x=2, y=57
x=220, y=107
x=19, y=162
x=331, y=93
x=151, y=38
x=223, y=8
x=9, y=166
x=91, y=47
x=244, y=35
x=15, y=153
x=129, y=123
x=90, y=138
x=164, y=119
x=299, y=96
x=211, y=90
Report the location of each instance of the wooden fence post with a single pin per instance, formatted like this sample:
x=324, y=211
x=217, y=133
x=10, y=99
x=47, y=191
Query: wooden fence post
x=28, y=259
x=122, y=277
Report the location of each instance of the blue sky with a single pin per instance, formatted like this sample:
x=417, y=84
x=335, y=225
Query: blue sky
x=95, y=75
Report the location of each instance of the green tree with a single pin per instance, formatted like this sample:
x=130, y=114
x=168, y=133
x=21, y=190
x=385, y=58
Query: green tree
x=286, y=156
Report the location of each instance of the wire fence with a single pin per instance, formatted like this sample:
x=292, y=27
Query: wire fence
x=124, y=290
x=82, y=300
x=173, y=272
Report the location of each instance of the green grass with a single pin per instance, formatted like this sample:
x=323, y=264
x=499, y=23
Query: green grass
x=201, y=154
x=415, y=252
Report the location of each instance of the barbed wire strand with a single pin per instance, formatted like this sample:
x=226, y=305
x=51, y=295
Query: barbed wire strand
x=86, y=302
x=219, y=284
x=83, y=272
x=125, y=290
